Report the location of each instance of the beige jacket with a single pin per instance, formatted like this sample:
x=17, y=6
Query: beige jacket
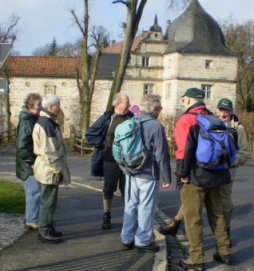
x=50, y=151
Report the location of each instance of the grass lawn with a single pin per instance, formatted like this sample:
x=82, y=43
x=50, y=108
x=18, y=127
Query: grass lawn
x=12, y=198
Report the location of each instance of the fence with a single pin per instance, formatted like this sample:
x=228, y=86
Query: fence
x=7, y=136
x=82, y=147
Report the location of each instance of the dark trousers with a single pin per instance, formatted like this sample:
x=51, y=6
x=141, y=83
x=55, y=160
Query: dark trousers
x=113, y=176
x=47, y=206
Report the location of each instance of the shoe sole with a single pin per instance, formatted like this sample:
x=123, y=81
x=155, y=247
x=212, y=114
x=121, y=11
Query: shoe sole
x=43, y=240
x=191, y=268
x=145, y=250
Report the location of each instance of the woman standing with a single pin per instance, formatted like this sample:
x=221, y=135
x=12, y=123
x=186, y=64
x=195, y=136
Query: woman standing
x=25, y=158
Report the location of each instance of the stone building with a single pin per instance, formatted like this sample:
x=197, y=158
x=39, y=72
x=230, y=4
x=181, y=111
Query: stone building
x=192, y=53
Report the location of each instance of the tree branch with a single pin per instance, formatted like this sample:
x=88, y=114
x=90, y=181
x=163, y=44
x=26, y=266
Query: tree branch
x=77, y=21
x=121, y=2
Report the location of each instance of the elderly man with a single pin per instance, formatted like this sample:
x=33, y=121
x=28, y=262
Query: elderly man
x=101, y=135
x=25, y=158
x=225, y=112
x=200, y=186
x=50, y=167
x=142, y=187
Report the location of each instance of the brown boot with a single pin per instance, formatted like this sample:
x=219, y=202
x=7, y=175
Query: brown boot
x=171, y=228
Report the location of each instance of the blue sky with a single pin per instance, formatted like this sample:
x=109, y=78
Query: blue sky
x=43, y=20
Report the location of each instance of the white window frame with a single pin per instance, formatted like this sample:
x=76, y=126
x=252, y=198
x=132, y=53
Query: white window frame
x=148, y=89
x=145, y=61
x=207, y=88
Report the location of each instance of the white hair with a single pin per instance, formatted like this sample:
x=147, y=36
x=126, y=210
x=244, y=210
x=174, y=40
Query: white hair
x=50, y=99
x=150, y=102
x=118, y=98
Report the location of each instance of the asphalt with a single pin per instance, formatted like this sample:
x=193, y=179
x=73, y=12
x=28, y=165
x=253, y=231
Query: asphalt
x=85, y=245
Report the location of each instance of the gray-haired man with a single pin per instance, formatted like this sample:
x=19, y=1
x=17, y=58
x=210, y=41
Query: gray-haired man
x=50, y=167
x=141, y=190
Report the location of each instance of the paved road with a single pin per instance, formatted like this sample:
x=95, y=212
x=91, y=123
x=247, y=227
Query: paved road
x=86, y=246
x=242, y=224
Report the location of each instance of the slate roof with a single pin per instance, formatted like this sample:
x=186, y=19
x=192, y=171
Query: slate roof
x=195, y=31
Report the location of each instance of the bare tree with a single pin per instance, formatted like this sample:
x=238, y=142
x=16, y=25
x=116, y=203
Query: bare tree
x=86, y=78
x=8, y=33
x=134, y=13
x=240, y=38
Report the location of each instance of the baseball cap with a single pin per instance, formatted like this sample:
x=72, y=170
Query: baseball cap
x=195, y=93
x=225, y=104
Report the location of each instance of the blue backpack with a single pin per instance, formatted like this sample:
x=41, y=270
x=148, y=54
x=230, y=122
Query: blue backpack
x=215, y=146
x=128, y=147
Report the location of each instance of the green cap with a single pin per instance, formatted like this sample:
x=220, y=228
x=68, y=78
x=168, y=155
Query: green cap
x=194, y=93
x=225, y=104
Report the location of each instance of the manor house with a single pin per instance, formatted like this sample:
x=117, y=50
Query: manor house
x=191, y=52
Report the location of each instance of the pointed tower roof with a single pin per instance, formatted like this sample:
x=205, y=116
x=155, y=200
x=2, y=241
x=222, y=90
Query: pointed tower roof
x=155, y=26
x=195, y=31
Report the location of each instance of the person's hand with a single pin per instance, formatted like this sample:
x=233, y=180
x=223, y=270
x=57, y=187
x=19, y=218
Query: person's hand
x=185, y=180
x=165, y=185
x=59, y=177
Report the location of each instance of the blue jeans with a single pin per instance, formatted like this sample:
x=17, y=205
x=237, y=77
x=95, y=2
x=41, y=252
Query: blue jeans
x=140, y=200
x=32, y=191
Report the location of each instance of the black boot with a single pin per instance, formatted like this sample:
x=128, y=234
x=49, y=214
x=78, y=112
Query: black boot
x=54, y=232
x=222, y=258
x=171, y=228
x=106, y=222
x=48, y=237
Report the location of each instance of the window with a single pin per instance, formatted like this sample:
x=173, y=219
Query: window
x=148, y=89
x=49, y=88
x=145, y=61
x=208, y=90
x=208, y=64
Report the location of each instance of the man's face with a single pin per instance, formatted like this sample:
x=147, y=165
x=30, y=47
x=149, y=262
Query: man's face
x=157, y=111
x=124, y=105
x=55, y=109
x=186, y=102
x=223, y=114
x=36, y=107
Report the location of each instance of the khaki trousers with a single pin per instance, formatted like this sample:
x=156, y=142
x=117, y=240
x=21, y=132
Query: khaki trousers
x=193, y=199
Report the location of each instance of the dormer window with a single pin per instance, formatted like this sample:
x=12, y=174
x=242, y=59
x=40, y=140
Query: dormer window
x=145, y=61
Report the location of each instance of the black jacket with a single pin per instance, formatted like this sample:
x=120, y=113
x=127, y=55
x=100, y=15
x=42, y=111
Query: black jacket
x=25, y=156
x=95, y=135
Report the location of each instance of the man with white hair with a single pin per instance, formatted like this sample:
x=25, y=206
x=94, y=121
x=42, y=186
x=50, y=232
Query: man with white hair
x=142, y=187
x=50, y=167
x=101, y=136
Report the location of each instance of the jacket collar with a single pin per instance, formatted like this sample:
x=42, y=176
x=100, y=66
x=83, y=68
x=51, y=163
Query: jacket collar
x=197, y=107
x=45, y=113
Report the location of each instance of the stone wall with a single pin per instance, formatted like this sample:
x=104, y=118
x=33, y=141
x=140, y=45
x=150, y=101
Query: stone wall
x=65, y=88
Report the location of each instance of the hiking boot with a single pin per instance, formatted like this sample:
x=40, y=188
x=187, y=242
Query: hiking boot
x=54, y=232
x=48, y=237
x=32, y=226
x=129, y=246
x=229, y=236
x=222, y=258
x=149, y=248
x=188, y=264
x=171, y=228
x=106, y=222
